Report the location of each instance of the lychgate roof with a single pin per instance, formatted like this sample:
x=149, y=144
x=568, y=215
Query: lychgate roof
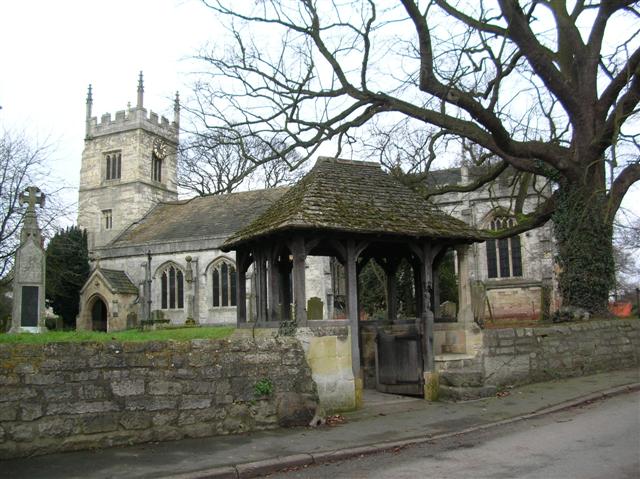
x=202, y=217
x=354, y=197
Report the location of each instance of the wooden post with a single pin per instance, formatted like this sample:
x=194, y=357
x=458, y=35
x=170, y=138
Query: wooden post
x=436, y=295
x=242, y=264
x=426, y=273
x=284, y=268
x=273, y=285
x=390, y=267
x=417, y=284
x=351, y=277
x=261, y=285
x=299, y=291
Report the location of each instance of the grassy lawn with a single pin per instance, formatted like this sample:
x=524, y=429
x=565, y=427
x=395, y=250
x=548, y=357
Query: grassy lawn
x=178, y=334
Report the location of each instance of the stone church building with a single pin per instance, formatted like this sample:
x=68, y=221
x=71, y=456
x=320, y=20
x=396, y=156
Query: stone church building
x=157, y=257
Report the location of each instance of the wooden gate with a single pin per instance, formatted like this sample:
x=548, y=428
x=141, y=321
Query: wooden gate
x=399, y=363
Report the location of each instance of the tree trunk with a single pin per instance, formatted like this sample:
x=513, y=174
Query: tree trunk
x=585, y=254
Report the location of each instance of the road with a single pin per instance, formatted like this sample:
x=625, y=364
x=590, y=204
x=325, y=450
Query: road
x=598, y=440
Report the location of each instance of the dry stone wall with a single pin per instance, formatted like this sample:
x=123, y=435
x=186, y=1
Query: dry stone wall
x=66, y=396
x=524, y=355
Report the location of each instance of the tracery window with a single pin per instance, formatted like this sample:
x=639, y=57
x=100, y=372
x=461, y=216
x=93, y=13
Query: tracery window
x=504, y=256
x=114, y=165
x=172, y=288
x=223, y=283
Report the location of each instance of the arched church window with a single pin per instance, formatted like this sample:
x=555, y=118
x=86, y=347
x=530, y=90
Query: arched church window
x=504, y=256
x=223, y=283
x=114, y=165
x=172, y=288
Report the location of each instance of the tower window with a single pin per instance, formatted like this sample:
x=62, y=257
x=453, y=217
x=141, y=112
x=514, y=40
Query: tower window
x=107, y=219
x=114, y=165
x=504, y=256
x=223, y=285
x=156, y=168
x=172, y=288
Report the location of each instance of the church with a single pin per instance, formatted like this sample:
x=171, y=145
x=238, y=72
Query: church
x=156, y=257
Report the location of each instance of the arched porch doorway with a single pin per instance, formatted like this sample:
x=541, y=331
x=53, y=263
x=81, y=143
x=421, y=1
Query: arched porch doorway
x=99, y=315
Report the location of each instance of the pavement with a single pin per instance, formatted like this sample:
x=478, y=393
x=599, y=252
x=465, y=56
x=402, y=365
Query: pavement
x=385, y=422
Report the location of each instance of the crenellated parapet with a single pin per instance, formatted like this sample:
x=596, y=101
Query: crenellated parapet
x=127, y=120
x=133, y=118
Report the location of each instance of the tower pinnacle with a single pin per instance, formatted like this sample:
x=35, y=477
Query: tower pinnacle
x=89, y=107
x=176, y=109
x=140, y=91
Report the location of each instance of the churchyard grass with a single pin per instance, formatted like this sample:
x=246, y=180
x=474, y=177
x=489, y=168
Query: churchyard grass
x=176, y=334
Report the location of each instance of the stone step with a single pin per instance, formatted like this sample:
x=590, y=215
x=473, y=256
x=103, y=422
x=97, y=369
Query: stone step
x=453, y=393
x=462, y=378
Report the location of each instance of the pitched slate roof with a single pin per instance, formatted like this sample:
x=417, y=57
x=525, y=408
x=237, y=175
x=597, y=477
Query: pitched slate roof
x=119, y=281
x=354, y=197
x=215, y=216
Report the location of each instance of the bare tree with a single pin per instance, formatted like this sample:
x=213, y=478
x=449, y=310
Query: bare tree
x=23, y=164
x=548, y=89
x=221, y=163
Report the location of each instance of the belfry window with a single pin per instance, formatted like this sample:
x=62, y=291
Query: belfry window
x=156, y=168
x=504, y=256
x=223, y=285
x=172, y=288
x=113, y=163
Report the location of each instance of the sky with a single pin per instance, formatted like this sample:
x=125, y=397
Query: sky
x=52, y=50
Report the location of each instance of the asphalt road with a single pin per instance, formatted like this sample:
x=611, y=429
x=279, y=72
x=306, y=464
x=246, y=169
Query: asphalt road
x=598, y=440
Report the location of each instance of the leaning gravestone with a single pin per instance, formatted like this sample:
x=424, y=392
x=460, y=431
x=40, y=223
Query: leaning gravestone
x=29, y=270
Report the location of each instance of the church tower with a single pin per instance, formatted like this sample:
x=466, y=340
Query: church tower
x=128, y=165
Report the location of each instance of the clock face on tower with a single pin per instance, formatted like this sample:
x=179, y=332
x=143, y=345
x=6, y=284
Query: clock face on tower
x=160, y=148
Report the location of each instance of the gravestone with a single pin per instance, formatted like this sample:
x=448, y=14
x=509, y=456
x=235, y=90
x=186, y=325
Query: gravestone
x=315, y=308
x=29, y=270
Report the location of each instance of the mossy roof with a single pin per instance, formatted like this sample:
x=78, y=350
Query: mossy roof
x=202, y=217
x=354, y=197
x=119, y=281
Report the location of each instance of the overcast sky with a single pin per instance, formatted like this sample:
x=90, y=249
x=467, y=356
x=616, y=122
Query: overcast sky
x=51, y=50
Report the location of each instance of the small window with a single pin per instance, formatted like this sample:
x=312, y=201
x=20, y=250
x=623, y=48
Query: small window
x=223, y=282
x=172, y=288
x=504, y=256
x=113, y=163
x=156, y=168
x=107, y=219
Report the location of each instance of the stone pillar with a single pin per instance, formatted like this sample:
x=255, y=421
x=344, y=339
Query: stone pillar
x=28, y=312
x=473, y=333
x=465, y=310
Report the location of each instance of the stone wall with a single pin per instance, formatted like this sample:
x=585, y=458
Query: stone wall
x=67, y=396
x=523, y=355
